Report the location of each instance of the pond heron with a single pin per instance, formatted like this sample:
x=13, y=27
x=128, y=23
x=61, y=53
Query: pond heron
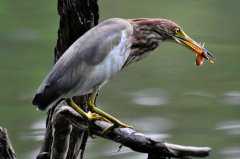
x=101, y=53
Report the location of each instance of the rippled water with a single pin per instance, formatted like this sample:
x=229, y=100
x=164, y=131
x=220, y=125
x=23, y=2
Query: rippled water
x=150, y=97
x=165, y=96
x=230, y=127
x=231, y=153
x=232, y=98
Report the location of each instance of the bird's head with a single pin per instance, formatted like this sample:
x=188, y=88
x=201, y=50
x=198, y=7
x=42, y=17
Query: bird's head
x=148, y=33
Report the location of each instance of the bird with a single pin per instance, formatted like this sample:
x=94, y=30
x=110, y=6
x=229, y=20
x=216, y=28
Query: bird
x=106, y=49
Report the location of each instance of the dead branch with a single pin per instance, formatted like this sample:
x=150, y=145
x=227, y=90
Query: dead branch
x=76, y=17
x=6, y=149
x=128, y=137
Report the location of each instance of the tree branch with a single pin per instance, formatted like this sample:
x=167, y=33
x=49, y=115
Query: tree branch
x=125, y=136
x=6, y=149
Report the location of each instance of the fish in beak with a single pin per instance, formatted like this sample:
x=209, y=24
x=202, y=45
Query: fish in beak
x=201, y=52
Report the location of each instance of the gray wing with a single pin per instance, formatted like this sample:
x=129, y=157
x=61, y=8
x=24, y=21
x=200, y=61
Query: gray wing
x=86, y=52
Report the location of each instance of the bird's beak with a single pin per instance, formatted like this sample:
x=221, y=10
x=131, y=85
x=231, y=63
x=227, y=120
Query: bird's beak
x=202, y=53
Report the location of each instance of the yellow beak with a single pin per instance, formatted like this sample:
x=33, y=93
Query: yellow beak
x=201, y=52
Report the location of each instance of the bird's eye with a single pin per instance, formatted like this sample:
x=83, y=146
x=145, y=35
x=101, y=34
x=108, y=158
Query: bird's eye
x=177, y=31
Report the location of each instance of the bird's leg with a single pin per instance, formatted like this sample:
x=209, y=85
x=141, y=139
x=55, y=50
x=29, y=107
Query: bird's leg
x=92, y=107
x=89, y=116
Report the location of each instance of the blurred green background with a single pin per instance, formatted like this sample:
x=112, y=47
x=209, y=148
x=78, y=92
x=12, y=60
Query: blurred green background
x=165, y=96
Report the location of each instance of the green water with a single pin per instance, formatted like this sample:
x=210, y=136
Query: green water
x=165, y=95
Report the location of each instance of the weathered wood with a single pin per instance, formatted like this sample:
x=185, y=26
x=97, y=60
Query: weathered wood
x=6, y=149
x=128, y=137
x=64, y=118
x=76, y=17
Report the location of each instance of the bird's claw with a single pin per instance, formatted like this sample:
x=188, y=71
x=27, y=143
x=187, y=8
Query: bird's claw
x=110, y=128
x=94, y=116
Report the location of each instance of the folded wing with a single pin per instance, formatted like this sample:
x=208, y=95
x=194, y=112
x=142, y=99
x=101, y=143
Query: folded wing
x=86, y=52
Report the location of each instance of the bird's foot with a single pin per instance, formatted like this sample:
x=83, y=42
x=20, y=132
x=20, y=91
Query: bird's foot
x=89, y=116
x=110, y=128
x=98, y=114
x=115, y=122
x=94, y=116
x=107, y=117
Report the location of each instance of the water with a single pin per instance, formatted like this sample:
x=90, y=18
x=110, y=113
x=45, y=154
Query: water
x=166, y=95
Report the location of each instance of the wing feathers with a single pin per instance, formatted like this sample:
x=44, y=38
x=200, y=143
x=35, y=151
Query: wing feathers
x=86, y=52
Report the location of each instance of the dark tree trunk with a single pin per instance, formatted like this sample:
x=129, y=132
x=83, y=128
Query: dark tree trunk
x=76, y=17
x=6, y=150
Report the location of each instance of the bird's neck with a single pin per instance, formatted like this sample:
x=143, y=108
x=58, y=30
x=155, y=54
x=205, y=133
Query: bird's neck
x=145, y=39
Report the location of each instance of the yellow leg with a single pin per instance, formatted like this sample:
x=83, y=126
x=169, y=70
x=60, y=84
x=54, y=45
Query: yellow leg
x=88, y=116
x=100, y=112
